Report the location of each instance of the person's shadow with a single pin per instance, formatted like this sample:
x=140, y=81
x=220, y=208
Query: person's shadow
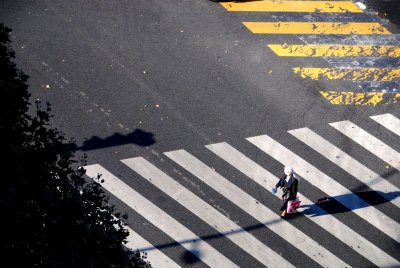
x=138, y=136
x=332, y=205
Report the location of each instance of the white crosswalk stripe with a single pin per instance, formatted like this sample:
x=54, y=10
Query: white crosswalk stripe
x=135, y=242
x=389, y=121
x=206, y=212
x=158, y=217
x=328, y=185
x=346, y=162
x=158, y=259
x=253, y=207
x=369, y=142
x=267, y=180
x=307, y=245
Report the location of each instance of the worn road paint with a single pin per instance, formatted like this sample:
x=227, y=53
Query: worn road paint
x=394, y=99
x=352, y=39
x=321, y=17
x=360, y=98
x=315, y=28
x=293, y=6
x=334, y=51
x=362, y=74
x=364, y=62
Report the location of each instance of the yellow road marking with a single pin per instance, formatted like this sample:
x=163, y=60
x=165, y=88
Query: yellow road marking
x=359, y=74
x=293, y=6
x=334, y=51
x=360, y=98
x=315, y=28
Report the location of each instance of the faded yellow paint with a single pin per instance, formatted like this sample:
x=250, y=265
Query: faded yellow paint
x=315, y=28
x=334, y=50
x=358, y=74
x=394, y=99
x=353, y=98
x=293, y=6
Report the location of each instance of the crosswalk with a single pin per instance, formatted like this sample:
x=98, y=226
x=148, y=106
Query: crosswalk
x=357, y=46
x=316, y=237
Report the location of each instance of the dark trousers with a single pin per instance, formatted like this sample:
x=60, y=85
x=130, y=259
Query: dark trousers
x=284, y=204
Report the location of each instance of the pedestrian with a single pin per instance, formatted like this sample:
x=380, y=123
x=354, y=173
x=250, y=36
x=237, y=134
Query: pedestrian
x=288, y=184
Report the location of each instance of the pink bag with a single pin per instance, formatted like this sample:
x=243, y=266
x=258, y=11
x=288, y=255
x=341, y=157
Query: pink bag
x=292, y=205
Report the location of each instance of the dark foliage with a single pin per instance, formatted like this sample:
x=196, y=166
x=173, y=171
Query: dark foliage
x=51, y=215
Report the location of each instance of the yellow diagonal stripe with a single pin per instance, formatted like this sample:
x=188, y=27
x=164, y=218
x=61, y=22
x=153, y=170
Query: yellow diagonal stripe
x=315, y=28
x=334, y=51
x=359, y=74
x=353, y=98
x=292, y=6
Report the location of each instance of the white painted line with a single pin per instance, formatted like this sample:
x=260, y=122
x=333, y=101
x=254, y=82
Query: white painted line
x=347, y=163
x=389, y=121
x=159, y=218
x=206, y=212
x=369, y=142
x=135, y=242
x=254, y=208
x=154, y=256
x=328, y=185
x=316, y=214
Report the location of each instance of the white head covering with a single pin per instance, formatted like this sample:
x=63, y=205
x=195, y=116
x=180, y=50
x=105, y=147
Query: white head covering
x=288, y=170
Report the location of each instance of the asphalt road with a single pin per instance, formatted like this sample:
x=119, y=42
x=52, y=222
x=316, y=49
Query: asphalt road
x=140, y=78
x=387, y=9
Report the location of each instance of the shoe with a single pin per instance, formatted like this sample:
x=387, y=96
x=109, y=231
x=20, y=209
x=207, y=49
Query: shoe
x=283, y=213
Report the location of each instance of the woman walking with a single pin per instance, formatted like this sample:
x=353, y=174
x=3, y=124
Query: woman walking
x=288, y=184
